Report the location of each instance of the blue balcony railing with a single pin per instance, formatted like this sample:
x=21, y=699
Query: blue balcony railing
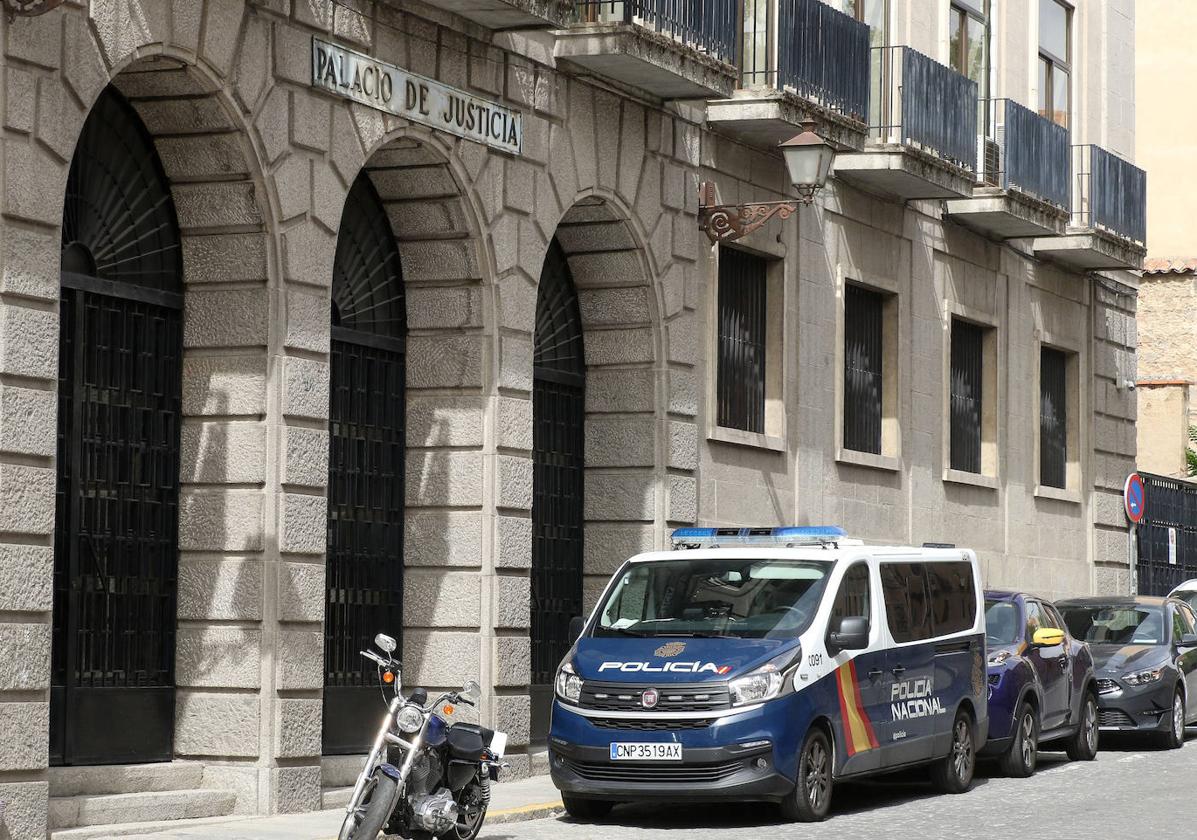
x=1108, y=193
x=822, y=54
x=708, y=26
x=1028, y=152
x=926, y=105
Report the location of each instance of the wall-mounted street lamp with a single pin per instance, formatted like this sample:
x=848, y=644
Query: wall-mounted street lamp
x=808, y=158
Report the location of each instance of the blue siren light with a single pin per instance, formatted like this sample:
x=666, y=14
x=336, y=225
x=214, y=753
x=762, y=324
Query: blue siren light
x=788, y=535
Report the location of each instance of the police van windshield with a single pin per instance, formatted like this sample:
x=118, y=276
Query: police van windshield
x=716, y=597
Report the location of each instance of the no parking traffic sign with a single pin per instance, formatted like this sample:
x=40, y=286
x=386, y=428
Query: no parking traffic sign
x=1134, y=498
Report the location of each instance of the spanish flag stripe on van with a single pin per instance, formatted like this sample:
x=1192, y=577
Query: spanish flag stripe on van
x=858, y=730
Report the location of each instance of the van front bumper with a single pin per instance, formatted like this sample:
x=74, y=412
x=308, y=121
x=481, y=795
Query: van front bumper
x=747, y=757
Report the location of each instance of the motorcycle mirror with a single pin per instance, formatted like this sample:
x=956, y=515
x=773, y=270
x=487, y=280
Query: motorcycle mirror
x=385, y=643
x=471, y=691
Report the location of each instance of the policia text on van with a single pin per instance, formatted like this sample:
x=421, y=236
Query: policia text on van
x=766, y=664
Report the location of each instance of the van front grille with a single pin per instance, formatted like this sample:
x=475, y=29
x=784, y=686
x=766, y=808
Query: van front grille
x=654, y=774
x=622, y=697
x=649, y=725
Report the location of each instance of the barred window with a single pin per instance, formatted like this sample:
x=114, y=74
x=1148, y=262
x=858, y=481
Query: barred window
x=863, y=383
x=1053, y=418
x=965, y=396
x=740, y=384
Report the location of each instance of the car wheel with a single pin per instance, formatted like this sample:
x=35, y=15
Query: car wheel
x=586, y=809
x=1174, y=738
x=1019, y=761
x=954, y=772
x=811, y=799
x=1083, y=745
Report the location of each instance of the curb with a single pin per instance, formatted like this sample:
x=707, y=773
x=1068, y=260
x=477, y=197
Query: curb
x=535, y=811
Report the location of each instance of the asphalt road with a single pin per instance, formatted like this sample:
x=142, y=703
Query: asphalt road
x=1131, y=790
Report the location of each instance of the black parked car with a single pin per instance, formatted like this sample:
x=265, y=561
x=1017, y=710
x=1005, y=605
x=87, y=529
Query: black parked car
x=1145, y=654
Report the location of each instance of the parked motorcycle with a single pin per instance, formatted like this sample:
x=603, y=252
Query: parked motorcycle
x=424, y=777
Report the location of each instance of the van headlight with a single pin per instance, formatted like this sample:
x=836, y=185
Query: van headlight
x=765, y=682
x=409, y=719
x=569, y=684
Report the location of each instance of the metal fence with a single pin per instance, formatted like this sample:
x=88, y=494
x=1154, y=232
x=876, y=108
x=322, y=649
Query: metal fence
x=709, y=26
x=927, y=105
x=1032, y=152
x=1108, y=192
x=1170, y=504
x=823, y=56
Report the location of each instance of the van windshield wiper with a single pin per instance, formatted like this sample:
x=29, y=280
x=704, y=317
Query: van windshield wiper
x=626, y=632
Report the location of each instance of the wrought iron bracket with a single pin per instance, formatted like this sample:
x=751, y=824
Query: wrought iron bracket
x=729, y=222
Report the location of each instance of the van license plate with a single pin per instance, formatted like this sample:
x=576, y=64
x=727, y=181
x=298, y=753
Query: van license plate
x=646, y=752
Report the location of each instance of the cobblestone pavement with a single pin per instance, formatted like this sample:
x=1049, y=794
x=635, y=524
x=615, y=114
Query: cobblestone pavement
x=1131, y=788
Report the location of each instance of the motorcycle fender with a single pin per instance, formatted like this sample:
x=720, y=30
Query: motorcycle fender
x=389, y=770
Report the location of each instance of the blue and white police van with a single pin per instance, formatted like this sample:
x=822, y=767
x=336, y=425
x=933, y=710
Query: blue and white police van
x=766, y=664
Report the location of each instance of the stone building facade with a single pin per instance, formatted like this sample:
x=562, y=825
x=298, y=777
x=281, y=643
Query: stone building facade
x=256, y=164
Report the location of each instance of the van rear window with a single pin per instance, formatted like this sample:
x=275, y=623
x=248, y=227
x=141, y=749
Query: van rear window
x=925, y=600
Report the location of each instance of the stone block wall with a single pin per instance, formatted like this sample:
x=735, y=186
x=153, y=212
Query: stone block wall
x=259, y=165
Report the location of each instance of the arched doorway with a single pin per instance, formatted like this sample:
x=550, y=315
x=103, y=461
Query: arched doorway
x=558, y=463
x=364, y=571
x=112, y=698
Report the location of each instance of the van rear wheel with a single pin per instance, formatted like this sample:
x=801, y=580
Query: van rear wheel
x=811, y=799
x=954, y=772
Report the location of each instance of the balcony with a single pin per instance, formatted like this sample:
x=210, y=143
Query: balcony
x=504, y=14
x=922, y=137
x=1023, y=186
x=1108, y=227
x=800, y=59
x=670, y=49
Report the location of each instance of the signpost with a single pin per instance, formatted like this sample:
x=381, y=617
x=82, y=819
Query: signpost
x=1134, y=501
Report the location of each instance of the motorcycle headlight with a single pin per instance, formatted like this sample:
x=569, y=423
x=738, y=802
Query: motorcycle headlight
x=409, y=719
x=569, y=684
x=765, y=682
x=1144, y=677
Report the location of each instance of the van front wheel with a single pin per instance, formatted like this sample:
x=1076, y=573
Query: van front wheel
x=954, y=772
x=811, y=799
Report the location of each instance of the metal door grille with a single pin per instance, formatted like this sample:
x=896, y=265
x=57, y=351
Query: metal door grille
x=741, y=364
x=559, y=413
x=862, y=369
x=965, y=396
x=367, y=440
x=1053, y=419
x=1170, y=505
x=119, y=401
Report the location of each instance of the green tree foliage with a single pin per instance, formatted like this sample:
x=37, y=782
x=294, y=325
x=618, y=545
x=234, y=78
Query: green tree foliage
x=1191, y=452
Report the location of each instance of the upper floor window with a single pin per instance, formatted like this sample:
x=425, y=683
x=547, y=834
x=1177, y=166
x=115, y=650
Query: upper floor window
x=863, y=379
x=1055, y=61
x=1053, y=418
x=968, y=42
x=965, y=396
x=740, y=375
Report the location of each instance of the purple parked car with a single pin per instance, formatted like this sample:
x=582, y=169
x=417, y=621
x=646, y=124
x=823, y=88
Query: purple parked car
x=1041, y=683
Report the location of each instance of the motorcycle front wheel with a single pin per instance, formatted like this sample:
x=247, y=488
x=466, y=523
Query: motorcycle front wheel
x=367, y=819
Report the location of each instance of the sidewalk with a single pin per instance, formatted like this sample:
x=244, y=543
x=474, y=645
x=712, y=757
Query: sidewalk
x=528, y=799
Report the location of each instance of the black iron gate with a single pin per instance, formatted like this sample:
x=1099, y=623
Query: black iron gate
x=115, y=540
x=367, y=411
x=1170, y=503
x=559, y=414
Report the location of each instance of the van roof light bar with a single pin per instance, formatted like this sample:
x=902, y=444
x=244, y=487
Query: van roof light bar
x=786, y=536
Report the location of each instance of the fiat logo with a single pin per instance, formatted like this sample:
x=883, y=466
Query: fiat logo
x=649, y=698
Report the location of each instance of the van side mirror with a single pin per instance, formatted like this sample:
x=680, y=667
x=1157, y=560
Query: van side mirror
x=576, y=625
x=1188, y=640
x=852, y=635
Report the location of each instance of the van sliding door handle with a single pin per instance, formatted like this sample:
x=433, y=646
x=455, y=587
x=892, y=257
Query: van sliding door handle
x=898, y=669
x=875, y=674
